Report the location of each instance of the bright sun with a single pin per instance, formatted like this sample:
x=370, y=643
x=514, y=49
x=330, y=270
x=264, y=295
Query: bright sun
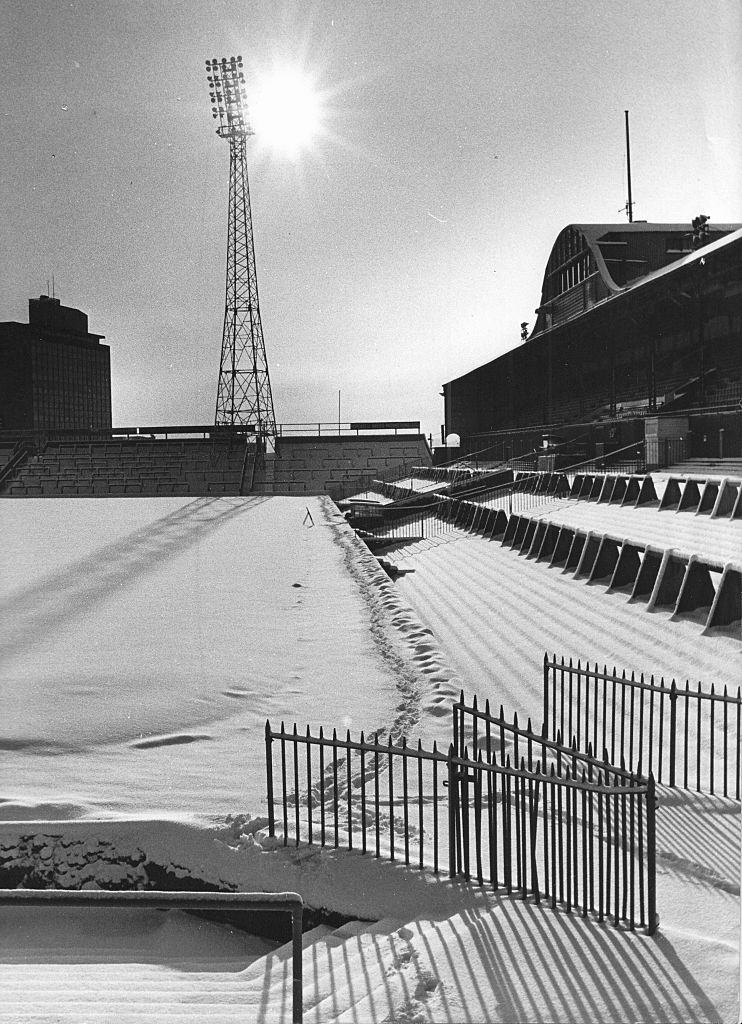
x=285, y=111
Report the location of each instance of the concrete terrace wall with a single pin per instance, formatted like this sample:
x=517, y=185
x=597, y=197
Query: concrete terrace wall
x=129, y=468
x=149, y=467
x=323, y=465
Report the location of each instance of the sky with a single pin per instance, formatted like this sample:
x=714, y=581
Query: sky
x=407, y=243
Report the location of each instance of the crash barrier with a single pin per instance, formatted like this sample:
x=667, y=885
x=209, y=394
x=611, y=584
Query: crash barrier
x=684, y=736
x=684, y=585
x=718, y=498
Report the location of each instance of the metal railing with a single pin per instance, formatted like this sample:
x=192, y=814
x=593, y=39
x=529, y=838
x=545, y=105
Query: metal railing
x=341, y=791
x=200, y=430
x=597, y=849
x=18, y=457
x=522, y=811
x=286, y=902
x=686, y=737
x=527, y=491
x=341, y=429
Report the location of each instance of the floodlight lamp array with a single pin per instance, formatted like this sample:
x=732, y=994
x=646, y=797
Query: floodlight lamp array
x=228, y=95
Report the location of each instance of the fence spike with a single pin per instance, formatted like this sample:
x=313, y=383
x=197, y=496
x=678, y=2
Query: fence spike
x=347, y=736
x=404, y=742
x=435, y=746
x=321, y=733
x=283, y=727
x=502, y=712
x=334, y=735
x=461, y=696
x=362, y=738
x=308, y=734
x=528, y=726
x=487, y=706
x=296, y=731
x=515, y=720
x=267, y=729
x=474, y=702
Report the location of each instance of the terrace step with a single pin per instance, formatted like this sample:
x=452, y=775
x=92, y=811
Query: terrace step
x=79, y=985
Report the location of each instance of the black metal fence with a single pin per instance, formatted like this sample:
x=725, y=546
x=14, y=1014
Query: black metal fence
x=482, y=511
x=444, y=515
x=574, y=830
x=517, y=812
x=366, y=794
x=528, y=490
x=686, y=737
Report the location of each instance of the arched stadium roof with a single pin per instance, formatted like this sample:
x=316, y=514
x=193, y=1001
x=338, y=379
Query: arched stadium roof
x=589, y=263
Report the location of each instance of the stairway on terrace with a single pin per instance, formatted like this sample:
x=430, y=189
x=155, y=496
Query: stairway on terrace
x=346, y=974
x=132, y=467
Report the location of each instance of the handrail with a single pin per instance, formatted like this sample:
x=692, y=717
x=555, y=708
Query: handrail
x=291, y=902
x=286, y=430
x=21, y=450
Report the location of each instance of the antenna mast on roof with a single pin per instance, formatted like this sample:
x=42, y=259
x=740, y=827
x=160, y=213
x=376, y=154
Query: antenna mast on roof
x=629, y=208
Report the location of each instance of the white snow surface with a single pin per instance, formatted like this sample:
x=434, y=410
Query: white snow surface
x=145, y=641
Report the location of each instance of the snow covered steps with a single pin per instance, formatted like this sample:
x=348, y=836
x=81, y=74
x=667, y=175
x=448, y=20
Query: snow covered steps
x=75, y=984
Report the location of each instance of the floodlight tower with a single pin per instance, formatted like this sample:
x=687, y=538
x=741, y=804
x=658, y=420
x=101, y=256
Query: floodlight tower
x=244, y=396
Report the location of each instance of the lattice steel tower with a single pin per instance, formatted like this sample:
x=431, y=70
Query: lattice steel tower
x=244, y=394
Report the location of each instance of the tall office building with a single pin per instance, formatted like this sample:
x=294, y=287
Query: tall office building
x=54, y=374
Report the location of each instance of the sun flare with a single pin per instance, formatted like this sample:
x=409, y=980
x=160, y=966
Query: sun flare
x=285, y=111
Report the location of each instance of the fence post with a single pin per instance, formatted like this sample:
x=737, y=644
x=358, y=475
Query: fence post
x=269, y=776
x=452, y=815
x=546, y=691
x=652, y=918
x=673, y=723
x=296, y=936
